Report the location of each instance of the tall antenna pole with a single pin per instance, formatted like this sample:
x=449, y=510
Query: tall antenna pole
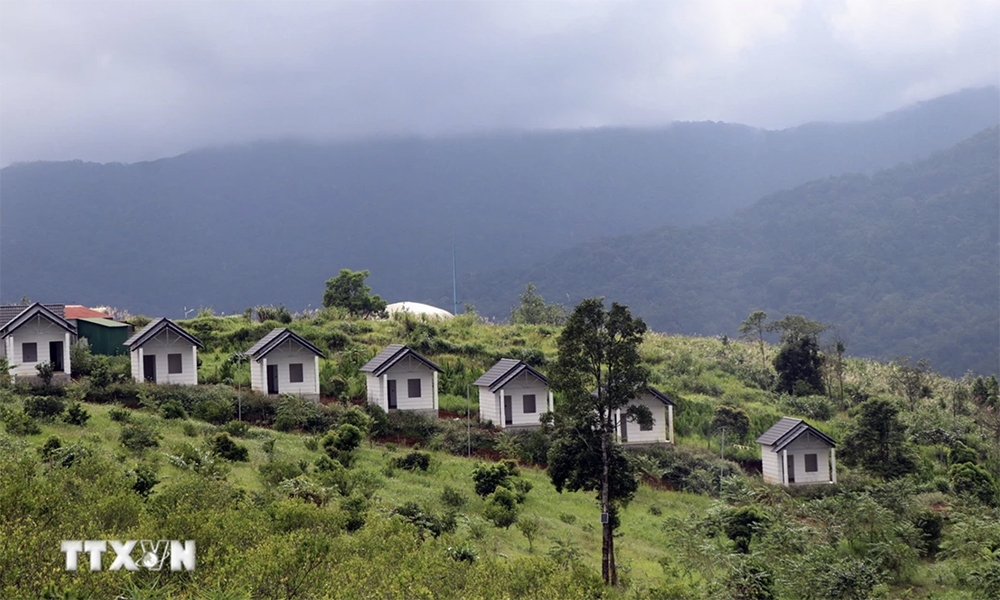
x=454, y=277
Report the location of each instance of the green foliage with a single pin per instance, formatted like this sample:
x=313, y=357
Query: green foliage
x=217, y=410
x=275, y=471
x=413, y=461
x=237, y=428
x=799, y=366
x=453, y=498
x=76, y=414
x=877, y=442
x=529, y=528
x=488, y=477
x=120, y=415
x=971, y=480
x=223, y=446
x=534, y=311
x=139, y=436
x=742, y=524
x=424, y=521
x=753, y=328
x=145, y=479
x=348, y=291
x=44, y=408
x=173, y=409
x=501, y=508
x=21, y=423
x=733, y=420
x=46, y=371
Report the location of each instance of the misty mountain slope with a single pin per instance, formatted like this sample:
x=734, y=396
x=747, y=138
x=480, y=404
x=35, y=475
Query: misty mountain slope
x=270, y=222
x=903, y=262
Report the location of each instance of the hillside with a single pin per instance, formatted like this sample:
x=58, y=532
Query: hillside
x=904, y=262
x=292, y=521
x=270, y=222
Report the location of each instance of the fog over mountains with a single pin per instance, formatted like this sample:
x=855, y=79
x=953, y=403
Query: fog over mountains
x=270, y=222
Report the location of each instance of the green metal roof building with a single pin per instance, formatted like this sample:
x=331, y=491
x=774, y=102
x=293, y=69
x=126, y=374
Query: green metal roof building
x=105, y=336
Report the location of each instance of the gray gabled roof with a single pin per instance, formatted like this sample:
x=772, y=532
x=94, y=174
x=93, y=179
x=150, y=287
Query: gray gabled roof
x=787, y=430
x=156, y=326
x=13, y=316
x=392, y=354
x=276, y=337
x=505, y=370
x=660, y=396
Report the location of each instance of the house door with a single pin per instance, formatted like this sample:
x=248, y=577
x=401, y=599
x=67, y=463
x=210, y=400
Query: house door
x=272, y=379
x=624, y=428
x=508, y=408
x=56, y=356
x=392, y=393
x=791, y=468
x=149, y=367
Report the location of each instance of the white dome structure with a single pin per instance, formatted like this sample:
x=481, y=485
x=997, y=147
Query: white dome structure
x=418, y=309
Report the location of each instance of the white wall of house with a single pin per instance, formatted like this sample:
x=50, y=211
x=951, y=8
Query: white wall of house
x=162, y=345
x=523, y=385
x=806, y=444
x=633, y=431
x=40, y=332
x=408, y=368
x=283, y=356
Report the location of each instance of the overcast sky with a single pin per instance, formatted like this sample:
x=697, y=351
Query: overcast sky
x=127, y=81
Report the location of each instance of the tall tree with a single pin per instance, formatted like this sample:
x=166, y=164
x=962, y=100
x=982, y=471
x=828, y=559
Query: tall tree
x=348, y=290
x=799, y=362
x=753, y=328
x=878, y=441
x=534, y=311
x=597, y=373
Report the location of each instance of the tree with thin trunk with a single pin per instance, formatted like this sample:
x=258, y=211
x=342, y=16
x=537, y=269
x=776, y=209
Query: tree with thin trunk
x=597, y=374
x=753, y=328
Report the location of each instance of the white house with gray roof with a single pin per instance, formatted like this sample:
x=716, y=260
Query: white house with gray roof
x=794, y=452
x=35, y=334
x=283, y=362
x=400, y=379
x=162, y=352
x=662, y=429
x=513, y=395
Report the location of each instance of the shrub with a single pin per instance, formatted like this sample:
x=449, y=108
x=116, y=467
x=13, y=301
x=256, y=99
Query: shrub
x=425, y=522
x=456, y=437
x=189, y=429
x=973, y=481
x=501, y=508
x=120, y=415
x=47, y=450
x=311, y=444
x=44, y=408
x=139, y=436
x=21, y=423
x=413, y=461
x=412, y=426
x=145, y=479
x=76, y=415
x=453, y=498
x=276, y=471
x=173, y=409
x=225, y=447
x=380, y=425
x=237, y=428
x=214, y=410
x=357, y=417
x=462, y=553
x=488, y=477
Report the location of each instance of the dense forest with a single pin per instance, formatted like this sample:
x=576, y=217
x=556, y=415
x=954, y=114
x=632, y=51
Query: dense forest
x=902, y=262
x=287, y=498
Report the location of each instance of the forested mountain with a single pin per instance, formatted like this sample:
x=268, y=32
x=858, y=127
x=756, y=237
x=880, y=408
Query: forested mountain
x=903, y=262
x=270, y=222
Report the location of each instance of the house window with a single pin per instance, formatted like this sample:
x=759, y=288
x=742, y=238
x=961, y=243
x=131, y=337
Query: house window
x=175, y=364
x=811, y=463
x=29, y=352
x=295, y=373
x=413, y=388
x=529, y=403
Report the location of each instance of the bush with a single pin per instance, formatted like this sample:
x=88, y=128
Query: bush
x=139, y=436
x=456, y=437
x=214, y=410
x=120, y=415
x=413, y=461
x=189, y=429
x=225, y=447
x=501, y=508
x=425, y=522
x=274, y=472
x=453, y=498
x=237, y=428
x=76, y=415
x=145, y=479
x=488, y=477
x=44, y=408
x=412, y=426
x=21, y=423
x=973, y=481
x=173, y=409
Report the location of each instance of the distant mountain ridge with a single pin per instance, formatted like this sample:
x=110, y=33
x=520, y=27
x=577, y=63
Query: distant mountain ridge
x=905, y=262
x=270, y=222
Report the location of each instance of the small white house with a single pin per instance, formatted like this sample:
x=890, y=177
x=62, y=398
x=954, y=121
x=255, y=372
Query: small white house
x=794, y=452
x=662, y=429
x=162, y=352
x=283, y=362
x=33, y=335
x=512, y=395
x=400, y=379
